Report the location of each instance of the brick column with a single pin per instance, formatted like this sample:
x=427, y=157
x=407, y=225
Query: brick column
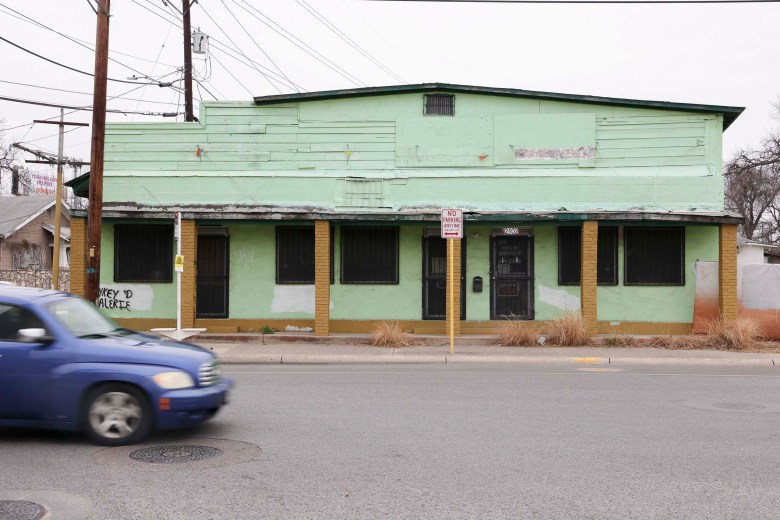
x=189, y=249
x=589, y=275
x=727, y=271
x=321, y=278
x=78, y=254
x=456, y=268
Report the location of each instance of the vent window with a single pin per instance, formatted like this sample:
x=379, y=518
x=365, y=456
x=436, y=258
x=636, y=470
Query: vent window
x=439, y=105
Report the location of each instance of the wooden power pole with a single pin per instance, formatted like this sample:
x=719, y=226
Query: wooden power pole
x=95, y=210
x=55, y=261
x=188, y=111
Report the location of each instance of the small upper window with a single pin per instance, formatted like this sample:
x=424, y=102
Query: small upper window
x=439, y=105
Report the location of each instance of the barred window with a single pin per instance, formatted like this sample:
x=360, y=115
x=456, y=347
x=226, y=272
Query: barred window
x=369, y=255
x=295, y=254
x=570, y=255
x=143, y=253
x=655, y=256
x=439, y=105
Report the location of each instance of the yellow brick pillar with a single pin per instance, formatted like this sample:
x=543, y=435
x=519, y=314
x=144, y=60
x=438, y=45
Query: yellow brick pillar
x=78, y=254
x=589, y=275
x=321, y=278
x=189, y=249
x=456, y=268
x=727, y=270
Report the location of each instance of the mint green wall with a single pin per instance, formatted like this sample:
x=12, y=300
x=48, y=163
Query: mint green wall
x=659, y=304
x=164, y=294
x=302, y=154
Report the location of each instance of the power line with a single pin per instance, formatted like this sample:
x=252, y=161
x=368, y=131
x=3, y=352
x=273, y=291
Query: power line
x=78, y=92
x=257, y=44
x=300, y=43
x=85, y=109
x=32, y=21
x=63, y=65
x=267, y=78
x=624, y=2
x=338, y=32
x=232, y=76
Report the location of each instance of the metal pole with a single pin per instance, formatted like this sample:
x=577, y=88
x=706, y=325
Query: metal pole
x=450, y=292
x=177, y=226
x=55, y=260
x=95, y=212
x=188, y=113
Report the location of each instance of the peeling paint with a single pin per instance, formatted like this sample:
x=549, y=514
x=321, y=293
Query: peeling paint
x=559, y=298
x=555, y=154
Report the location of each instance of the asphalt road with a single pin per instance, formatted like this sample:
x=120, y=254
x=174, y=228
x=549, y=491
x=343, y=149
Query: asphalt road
x=466, y=441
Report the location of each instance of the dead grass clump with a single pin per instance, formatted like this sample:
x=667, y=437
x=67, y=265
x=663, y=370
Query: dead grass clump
x=515, y=334
x=740, y=334
x=568, y=331
x=677, y=342
x=619, y=341
x=390, y=334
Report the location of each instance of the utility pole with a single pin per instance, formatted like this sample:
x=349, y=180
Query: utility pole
x=55, y=261
x=95, y=210
x=185, y=6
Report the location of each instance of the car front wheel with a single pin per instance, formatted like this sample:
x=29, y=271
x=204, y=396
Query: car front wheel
x=116, y=414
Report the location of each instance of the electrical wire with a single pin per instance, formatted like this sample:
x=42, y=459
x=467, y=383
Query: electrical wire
x=267, y=78
x=232, y=76
x=81, y=93
x=338, y=32
x=284, y=33
x=624, y=2
x=75, y=108
x=257, y=44
x=89, y=47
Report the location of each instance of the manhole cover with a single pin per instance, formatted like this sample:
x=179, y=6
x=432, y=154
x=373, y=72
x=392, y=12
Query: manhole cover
x=747, y=407
x=175, y=454
x=21, y=510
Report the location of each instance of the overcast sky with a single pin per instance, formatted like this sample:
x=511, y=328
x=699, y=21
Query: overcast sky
x=710, y=54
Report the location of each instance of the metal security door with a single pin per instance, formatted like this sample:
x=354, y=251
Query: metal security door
x=212, y=299
x=434, y=276
x=511, y=277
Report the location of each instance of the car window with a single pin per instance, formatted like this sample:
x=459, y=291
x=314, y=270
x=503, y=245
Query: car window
x=80, y=317
x=14, y=318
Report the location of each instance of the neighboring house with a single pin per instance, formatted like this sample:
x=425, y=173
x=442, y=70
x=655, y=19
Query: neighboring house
x=27, y=232
x=322, y=210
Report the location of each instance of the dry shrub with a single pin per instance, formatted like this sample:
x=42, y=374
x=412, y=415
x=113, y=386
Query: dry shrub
x=619, y=341
x=390, y=334
x=568, y=331
x=515, y=334
x=740, y=334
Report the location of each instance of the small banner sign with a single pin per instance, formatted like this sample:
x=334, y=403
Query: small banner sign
x=178, y=265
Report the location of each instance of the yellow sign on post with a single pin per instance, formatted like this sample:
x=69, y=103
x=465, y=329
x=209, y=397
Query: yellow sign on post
x=451, y=229
x=178, y=265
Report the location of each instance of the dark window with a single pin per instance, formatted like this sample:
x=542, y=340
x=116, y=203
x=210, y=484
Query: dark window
x=655, y=256
x=13, y=319
x=143, y=253
x=570, y=255
x=439, y=105
x=295, y=254
x=369, y=255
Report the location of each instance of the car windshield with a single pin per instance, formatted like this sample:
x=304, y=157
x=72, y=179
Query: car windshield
x=82, y=319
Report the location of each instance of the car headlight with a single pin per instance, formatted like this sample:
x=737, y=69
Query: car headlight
x=173, y=380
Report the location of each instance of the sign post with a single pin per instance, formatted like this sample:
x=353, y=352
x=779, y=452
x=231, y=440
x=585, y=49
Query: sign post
x=451, y=229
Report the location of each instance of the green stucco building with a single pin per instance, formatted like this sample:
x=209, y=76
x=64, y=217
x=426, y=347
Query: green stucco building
x=322, y=210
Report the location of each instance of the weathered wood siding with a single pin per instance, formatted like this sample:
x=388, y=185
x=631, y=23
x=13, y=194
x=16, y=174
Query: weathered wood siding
x=505, y=153
x=32, y=233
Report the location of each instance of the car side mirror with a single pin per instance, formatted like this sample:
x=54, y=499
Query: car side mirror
x=36, y=335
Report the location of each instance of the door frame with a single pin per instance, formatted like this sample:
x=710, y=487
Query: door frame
x=436, y=233
x=215, y=232
x=513, y=232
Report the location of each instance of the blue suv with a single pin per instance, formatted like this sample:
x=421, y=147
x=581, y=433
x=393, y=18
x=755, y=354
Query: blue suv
x=64, y=365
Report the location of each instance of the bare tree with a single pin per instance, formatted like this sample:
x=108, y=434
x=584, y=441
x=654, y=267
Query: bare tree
x=753, y=189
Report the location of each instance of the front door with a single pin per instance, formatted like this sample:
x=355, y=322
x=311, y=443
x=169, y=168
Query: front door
x=212, y=291
x=511, y=277
x=434, y=275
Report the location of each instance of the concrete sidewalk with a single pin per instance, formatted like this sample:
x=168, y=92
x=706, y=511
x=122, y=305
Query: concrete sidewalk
x=307, y=352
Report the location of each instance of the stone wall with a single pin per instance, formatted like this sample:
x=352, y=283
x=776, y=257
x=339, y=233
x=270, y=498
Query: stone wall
x=35, y=278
